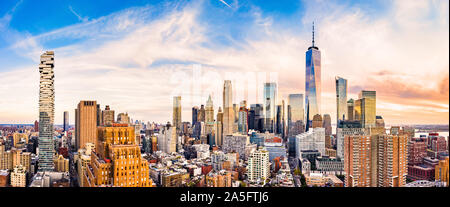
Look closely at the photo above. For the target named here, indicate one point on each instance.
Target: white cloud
(134, 63)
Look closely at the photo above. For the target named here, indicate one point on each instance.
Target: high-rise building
(201, 117)
(167, 139)
(375, 161)
(357, 161)
(341, 133)
(108, 116)
(243, 119)
(219, 127)
(209, 116)
(66, 121)
(295, 115)
(297, 111)
(313, 88)
(311, 140)
(317, 121)
(218, 133)
(357, 110)
(209, 111)
(350, 110)
(279, 126)
(18, 176)
(327, 124)
(46, 111)
(258, 168)
(270, 101)
(177, 113)
(256, 117)
(99, 116)
(219, 115)
(441, 172)
(194, 115)
(117, 161)
(228, 112)
(341, 99)
(392, 160)
(368, 108)
(86, 123)
(417, 151)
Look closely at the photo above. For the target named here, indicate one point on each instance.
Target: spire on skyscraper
(313, 35)
(313, 39)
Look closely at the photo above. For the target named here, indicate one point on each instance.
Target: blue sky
(33, 18)
(128, 54)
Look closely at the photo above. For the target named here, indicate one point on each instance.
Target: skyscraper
(66, 121)
(194, 115)
(228, 112)
(177, 113)
(368, 108)
(392, 160)
(46, 111)
(209, 115)
(327, 124)
(86, 123)
(209, 111)
(279, 120)
(341, 99)
(350, 109)
(258, 168)
(358, 161)
(317, 121)
(297, 111)
(99, 116)
(295, 114)
(313, 89)
(257, 110)
(219, 127)
(270, 101)
(243, 118)
(201, 116)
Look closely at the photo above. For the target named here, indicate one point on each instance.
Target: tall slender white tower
(46, 111)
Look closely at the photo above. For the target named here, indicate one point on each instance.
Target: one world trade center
(313, 81)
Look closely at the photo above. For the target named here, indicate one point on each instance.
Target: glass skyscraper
(297, 113)
(177, 112)
(368, 108)
(313, 89)
(341, 99)
(46, 111)
(270, 100)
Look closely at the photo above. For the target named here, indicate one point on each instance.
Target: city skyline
(141, 79)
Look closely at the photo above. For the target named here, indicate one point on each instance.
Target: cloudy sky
(136, 55)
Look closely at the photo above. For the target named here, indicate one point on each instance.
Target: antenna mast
(313, 35)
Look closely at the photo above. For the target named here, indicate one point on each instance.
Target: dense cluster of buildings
(270, 144)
